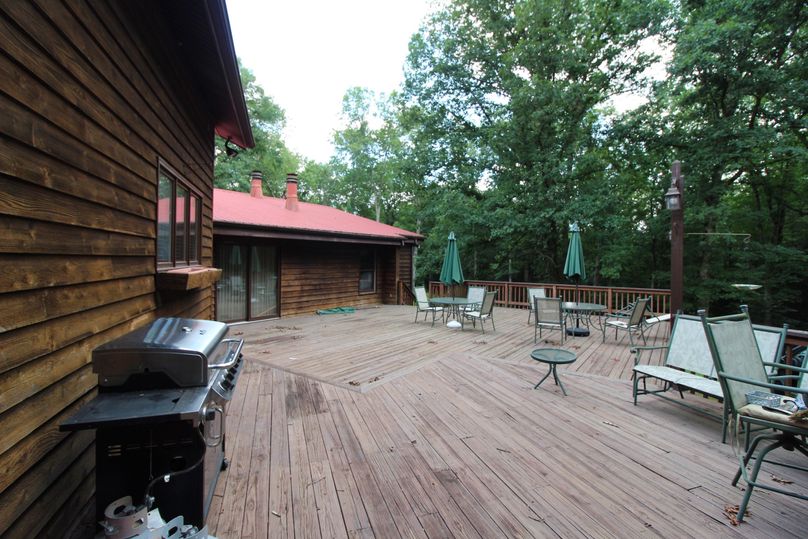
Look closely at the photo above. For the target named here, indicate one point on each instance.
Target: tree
(367, 157)
(270, 155)
(738, 122)
(509, 96)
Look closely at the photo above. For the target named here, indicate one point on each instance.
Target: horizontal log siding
(86, 112)
(318, 275)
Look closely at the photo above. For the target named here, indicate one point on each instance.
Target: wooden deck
(371, 425)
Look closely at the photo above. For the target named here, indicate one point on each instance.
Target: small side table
(553, 357)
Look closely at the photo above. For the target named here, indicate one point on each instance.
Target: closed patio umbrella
(451, 273)
(574, 266)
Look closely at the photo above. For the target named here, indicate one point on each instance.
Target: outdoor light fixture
(673, 198)
(229, 150)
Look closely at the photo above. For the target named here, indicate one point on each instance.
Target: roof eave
(236, 125)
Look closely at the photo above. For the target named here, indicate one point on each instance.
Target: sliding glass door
(243, 294)
(263, 282)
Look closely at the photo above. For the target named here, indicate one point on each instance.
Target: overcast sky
(306, 53)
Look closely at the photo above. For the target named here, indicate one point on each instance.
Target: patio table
(553, 357)
(583, 312)
(451, 304)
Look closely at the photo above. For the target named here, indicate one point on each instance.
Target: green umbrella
(451, 273)
(574, 266)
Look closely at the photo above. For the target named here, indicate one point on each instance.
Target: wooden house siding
(87, 110)
(318, 275)
(321, 275)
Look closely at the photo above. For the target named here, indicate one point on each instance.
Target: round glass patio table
(582, 312)
(451, 304)
(553, 357)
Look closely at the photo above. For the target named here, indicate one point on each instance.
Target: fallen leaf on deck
(375, 379)
(353, 383)
(432, 342)
(731, 512)
(610, 424)
(478, 342)
(276, 514)
(238, 333)
(781, 480)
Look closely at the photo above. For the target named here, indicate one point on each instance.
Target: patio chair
(422, 305)
(475, 297)
(486, 312)
(549, 315)
(635, 323)
(531, 304)
(741, 371)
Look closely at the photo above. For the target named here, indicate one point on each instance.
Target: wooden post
(677, 242)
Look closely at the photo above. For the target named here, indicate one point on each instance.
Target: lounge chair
(549, 315)
(741, 372)
(422, 305)
(533, 293)
(486, 312)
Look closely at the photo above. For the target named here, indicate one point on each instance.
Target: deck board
(442, 435)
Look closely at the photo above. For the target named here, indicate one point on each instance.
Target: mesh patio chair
(549, 315)
(531, 294)
(422, 305)
(635, 323)
(475, 297)
(486, 312)
(741, 372)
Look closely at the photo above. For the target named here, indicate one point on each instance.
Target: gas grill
(160, 415)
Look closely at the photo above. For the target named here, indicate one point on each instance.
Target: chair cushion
(757, 411)
(675, 376)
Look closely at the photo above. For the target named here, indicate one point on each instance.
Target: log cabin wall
(85, 113)
(322, 275)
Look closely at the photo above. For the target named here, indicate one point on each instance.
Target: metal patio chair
(422, 305)
(549, 315)
(475, 297)
(531, 294)
(635, 323)
(486, 312)
(741, 372)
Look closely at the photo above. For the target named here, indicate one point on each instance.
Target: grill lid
(179, 348)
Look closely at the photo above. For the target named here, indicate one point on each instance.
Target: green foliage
(270, 155)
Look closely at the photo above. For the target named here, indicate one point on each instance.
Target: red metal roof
(237, 208)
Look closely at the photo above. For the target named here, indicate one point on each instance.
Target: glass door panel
(231, 290)
(263, 282)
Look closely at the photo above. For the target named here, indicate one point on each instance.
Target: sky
(306, 53)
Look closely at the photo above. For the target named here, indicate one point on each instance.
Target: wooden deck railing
(514, 295)
(405, 294)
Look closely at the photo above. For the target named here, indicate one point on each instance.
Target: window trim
(194, 198)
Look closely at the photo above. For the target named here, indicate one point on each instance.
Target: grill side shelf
(112, 410)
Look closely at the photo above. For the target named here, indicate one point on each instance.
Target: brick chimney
(256, 182)
(291, 192)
